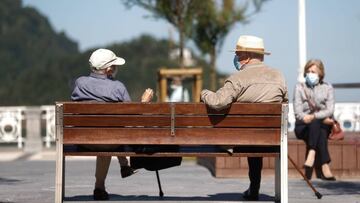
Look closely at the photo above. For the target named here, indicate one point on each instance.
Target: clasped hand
(310, 117)
(147, 95)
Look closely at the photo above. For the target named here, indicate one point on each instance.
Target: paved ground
(30, 179)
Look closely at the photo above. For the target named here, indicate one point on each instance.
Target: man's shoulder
(81, 79)
(118, 83)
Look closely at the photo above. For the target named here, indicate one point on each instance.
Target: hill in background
(39, 65)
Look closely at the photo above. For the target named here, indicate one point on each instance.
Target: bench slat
(180, 121)
(236, 108)
(229, 121)
(172, 154)
(115, 108)
(183, 136)
(116, 120)
(164, 108)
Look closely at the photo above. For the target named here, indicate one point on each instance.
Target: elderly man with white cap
(253, 82)
(101, 86)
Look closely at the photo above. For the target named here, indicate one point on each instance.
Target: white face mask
(236, 62)
(312, 79)
(174, 86)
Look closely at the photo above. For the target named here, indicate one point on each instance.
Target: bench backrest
(170, 123)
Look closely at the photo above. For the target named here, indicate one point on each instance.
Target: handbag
(336, 132)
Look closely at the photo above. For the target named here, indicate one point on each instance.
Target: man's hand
(147, 95)
(308, 118)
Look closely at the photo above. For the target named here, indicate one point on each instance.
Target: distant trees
(206, 22)
(30, 54)
(213, 21)
(39, 66)
(179, 13)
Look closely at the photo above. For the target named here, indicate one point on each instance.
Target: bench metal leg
(60, 178)
(281, 165)
(161, 194)
(60, 159)
(281, 180)
(277, 179)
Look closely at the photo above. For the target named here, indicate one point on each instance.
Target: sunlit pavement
(31, 178)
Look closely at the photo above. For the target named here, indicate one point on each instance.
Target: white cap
(103, 58)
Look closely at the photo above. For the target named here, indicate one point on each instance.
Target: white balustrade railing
(48, 114)
(11, 124)
(347, 114)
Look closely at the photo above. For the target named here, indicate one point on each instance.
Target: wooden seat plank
(165, 120)
(183, 136)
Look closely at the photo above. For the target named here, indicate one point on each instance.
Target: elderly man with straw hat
(253, 82)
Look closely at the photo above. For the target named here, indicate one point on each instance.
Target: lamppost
(302, 40)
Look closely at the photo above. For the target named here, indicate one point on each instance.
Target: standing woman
(314, 108)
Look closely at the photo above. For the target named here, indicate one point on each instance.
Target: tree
(213, 22)
(179, 13)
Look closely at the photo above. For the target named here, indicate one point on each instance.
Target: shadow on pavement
(8, 181)
(340, 187)
(212, 197)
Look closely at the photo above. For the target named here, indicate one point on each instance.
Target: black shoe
(127, 171)
(327, 178)
(308, 171)
(247, 195)
(100, 194)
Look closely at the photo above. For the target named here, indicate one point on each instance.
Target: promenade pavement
(30, 178)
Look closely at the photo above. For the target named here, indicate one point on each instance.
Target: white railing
(11, 124)
(48, 114)
(348, 115)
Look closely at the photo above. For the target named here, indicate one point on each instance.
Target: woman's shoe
(327, 178)
(308, 171)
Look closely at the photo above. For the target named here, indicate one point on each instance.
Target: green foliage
(206, 22)
(212, 23)
(29, 51)
(179, 13)
(39, 66)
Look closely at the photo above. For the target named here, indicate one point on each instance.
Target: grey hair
(94, 70)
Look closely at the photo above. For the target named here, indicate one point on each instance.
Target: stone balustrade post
(33, 141)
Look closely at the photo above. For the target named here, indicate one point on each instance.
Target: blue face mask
(312, 79)
(237, 64)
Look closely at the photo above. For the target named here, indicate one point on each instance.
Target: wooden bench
(259, 129)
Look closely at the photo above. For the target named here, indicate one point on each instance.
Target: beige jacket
(255, 83)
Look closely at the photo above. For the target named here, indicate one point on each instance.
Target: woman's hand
(328, 121)
(147, 95)
(308, 118)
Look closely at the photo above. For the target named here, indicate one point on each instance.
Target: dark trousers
(315, 135)
(255, 166)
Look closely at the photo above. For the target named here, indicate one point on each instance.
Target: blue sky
(333, 31)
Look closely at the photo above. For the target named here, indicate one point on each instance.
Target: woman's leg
(324, 156)
(322, 147)
(310, 158)
(314, 134)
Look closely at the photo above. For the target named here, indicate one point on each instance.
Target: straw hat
(250, 43)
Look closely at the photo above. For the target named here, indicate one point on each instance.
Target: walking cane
(318, 195)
